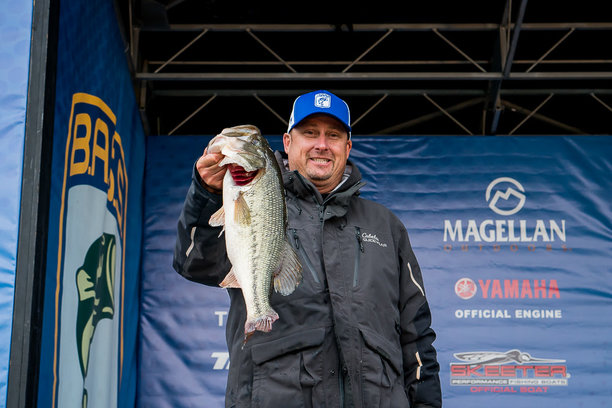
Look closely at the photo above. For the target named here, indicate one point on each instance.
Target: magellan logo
(506, 195)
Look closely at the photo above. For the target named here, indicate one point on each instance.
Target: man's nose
(321, 142)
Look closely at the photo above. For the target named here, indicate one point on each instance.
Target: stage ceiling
(405, 67)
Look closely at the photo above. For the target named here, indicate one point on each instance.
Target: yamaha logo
(465, 288)
(512, 200)
(322, 100)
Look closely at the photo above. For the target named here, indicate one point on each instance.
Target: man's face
(318, 148)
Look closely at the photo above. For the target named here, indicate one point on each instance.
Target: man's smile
(320, 160)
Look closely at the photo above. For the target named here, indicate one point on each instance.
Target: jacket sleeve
(199, 253)
(421, 368)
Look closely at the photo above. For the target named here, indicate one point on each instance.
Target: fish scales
(262, 239)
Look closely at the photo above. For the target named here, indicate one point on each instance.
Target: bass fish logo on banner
(89, 303)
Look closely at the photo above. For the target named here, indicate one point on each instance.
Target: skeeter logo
(512, 371)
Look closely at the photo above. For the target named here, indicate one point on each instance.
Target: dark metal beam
(546, 119)
(428, 117)
(370, 76)
(382, 27)
(22, 389)
(507, 66)
(374, 92)
(374, 63)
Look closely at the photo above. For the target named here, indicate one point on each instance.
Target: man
(356, 331)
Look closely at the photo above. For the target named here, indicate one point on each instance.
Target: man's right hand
(211, 175)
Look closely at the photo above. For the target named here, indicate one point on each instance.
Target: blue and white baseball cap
(320, 102)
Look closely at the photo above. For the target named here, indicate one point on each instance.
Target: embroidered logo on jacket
(372, 238)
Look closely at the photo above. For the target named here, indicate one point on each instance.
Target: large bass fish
(254, 217)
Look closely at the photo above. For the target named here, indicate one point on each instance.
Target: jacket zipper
(341, 386)
(303, 255)
(358, 251)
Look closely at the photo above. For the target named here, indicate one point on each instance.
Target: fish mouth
(240, 176)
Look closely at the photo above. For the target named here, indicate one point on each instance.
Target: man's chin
(315, 176)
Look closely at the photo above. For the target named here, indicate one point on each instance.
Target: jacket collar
(339, 198)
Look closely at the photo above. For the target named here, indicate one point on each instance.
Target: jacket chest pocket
(374, 257)
(304, 242)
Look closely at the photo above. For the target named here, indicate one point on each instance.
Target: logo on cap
(322, 100)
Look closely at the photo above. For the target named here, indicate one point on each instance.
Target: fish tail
(262, 323)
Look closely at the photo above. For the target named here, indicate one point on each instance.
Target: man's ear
(287, 142)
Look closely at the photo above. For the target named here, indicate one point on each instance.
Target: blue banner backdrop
(15, 30)
(512, 234)
(95, 218)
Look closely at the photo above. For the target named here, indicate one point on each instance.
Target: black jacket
(356, 329)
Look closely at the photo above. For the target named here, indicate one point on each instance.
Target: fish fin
(218, 218)
(230, 281)
(262, 323)
(242, 214)
(289, 273)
